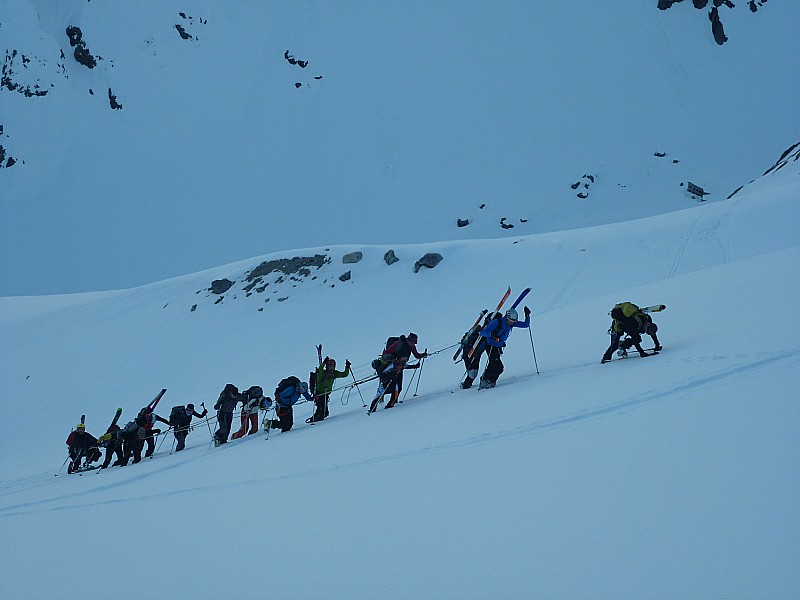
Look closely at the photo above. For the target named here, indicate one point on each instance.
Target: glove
(347, 363)
(527, 311)
(425, 355)
(216, 406)
(155, 431)
(205, 412)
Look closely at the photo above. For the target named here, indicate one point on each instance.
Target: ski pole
(355, 383)
(158, 447)
(421, 366)
(62, 466)
(530, 333)
(410, 383)
(203, 404)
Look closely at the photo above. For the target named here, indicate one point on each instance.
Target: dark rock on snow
(390, 257)
(220, 286)
(430, 260)
(352, 257)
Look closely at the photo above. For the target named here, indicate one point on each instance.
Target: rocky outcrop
(352, 258)
(717, 28)
(189, 25)
(112, 99)
(300, 265)
(390, 257)
(220, 286)
(430, 260)
(81, 53)
(12, 62)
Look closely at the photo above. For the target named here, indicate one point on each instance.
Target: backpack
(255, 392)
(131, 427)
(628, 309)
(285, 384)
(389, 341)
(177, 416)
(312, 381)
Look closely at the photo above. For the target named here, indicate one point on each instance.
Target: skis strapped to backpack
(497, 313)
(154, 401)
(103, 440)
(477, 321)
(467, 334)
(654, 308)
(521, 297)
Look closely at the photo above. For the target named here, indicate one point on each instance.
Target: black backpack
(177, 416)
(312, 382)
(285, 384)
(254, 392)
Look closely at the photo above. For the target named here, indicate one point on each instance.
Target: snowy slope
(423, 114)
(673, 476)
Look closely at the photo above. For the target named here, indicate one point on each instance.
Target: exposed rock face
(112, 99)
(289, 266)
(462, 222)
(82, 54)
(345, 276)
(430, 260)
(182, 32)
(792, 154)
(390, 257)
(717, 30)
(220, 286)
(9, 75)
(352, 257)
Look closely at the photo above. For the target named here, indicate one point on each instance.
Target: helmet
(304, 387)
(189, 407)
(412, 337)
(511, 314)
(80, 427)
(330, 362)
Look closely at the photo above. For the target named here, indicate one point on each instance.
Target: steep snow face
(213, 134)
(671, 476)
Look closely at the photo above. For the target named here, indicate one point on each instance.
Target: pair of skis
(654, 308)
(496, 312)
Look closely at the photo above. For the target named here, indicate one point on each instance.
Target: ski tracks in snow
(689, 235)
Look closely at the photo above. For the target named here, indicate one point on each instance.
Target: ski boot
(486, 384)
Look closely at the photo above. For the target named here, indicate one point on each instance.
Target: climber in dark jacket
(228, 399)
(180, 423)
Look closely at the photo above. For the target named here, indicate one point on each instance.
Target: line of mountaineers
(489, 335)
